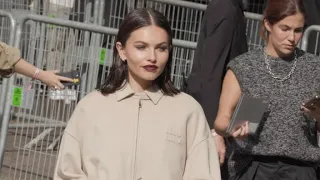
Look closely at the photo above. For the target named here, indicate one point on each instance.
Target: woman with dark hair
(285, 146)
(138, 125)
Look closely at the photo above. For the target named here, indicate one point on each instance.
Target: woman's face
(285, 35)
(146, 52)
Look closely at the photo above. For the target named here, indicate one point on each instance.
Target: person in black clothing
(222, 38)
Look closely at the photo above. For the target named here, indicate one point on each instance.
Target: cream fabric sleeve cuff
(9, 56)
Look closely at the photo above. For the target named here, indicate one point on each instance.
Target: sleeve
(217, 47)
(69, 164)
(234, 65)
(202, 159)
(9, 56)
(215, 56)
(239, 66)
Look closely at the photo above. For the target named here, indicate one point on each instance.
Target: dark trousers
(277, 168)
(224, 171)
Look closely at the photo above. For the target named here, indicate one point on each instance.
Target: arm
(10, 59)
(202, 162)
(216, 51)
(69, 160)
(210, 63)
(47, 77)
(69, 164)
(202, 158)
(230, 95)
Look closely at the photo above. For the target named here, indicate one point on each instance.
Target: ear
(267, 25)
(121, 51)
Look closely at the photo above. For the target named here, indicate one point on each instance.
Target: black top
(222, 37)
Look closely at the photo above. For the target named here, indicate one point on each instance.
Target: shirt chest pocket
(173, 136)
(174, 142)
(174, 154)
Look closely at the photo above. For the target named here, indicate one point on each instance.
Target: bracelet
(35, 76)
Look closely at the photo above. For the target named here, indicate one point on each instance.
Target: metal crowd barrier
(306, 38)
(4, 85)
(33, 124)
(6, 18)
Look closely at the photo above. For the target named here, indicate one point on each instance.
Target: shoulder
(184, 101)
(95, 98)
(309, 63)
(246, 58)
(250, 54)
(221, 9)
(191, 111)
(309, 57)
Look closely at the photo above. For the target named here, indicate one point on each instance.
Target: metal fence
(6, 35)
(39, 114)
(74, 10)
(310, 41)
(185, 18)
(33, 120)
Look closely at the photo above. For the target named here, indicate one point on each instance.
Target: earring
(123, 59)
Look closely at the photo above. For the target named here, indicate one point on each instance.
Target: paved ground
(23, 164)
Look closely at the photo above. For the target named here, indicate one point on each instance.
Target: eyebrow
(286, 26)
(147, 43)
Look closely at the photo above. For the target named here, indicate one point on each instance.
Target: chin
(286, 51)
(149, 77)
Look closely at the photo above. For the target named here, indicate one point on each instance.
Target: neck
(271, 51)
(139, 85)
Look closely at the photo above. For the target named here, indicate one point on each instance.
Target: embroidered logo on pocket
(173, 136)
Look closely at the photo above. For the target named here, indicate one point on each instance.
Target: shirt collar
(154, 93)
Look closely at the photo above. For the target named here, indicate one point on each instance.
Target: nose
(291, 36)
(152, 56)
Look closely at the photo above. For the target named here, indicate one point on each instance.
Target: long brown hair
(134, 20)
(276, 10)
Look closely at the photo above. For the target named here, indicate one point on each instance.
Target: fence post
(11, 39)
(305, 38)
(4, 99)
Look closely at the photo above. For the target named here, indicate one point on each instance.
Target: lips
(150, 68)
(289, 46)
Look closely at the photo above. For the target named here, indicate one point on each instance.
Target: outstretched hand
(52, 80)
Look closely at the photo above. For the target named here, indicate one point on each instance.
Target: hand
(221, 147)
(314, 113)
(52, 80)
(241, 132)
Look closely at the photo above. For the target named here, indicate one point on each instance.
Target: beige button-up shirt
(8, 56)
(145, 136)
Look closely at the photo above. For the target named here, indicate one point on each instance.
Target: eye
(298, 30)
(284, 29)
(141, 47)
(163, 48)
